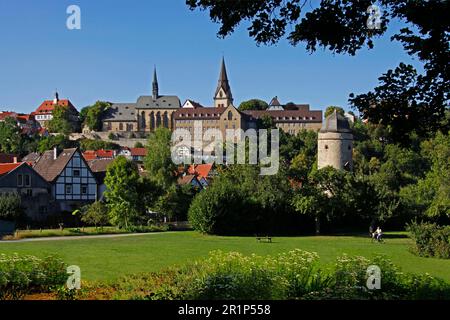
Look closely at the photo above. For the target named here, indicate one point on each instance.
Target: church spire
(223, 96)
(155, 85)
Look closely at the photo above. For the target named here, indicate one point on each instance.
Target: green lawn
(108, 259)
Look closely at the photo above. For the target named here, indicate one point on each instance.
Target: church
(151, 112)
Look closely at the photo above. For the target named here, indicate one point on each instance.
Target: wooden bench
(267, 239)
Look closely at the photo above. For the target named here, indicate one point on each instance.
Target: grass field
(108, 259)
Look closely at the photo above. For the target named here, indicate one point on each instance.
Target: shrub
(20, 275)
(10, 207)
(430, 240)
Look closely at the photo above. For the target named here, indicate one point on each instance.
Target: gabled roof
(199, 113)
(48, 106)
(162, 102)
(50, 168)
(138, 152)
(275, 102)
(202, 170)
(8, 167)
(187, 179)
(121, 112)
(195, 104)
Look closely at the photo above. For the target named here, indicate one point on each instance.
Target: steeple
(56, 100)
(223, 96)
(155, 85)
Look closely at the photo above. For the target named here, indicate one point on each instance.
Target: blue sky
(112, 57)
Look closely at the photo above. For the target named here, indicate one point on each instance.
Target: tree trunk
(317, 225)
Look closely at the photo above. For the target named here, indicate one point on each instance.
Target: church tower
(223, 97)
(335, 145)
(155, 91)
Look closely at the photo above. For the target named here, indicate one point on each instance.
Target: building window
(29, 192)
(230, 115)
(84, 189)
(326, 147)
(76, 173)
(19, 180)
(121, 126)
(68, 189)
(27, 180)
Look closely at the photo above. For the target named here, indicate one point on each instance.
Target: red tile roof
(202, 170)
(47, 106)
(6, 114)
(138, 152)
(98, 154)
(8, 167)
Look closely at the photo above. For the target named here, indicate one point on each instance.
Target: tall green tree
(60, 123)
(91, 116)
(158, 161)
(10, 137)
(124, 201)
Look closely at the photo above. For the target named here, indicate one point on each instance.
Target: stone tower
(335, 145)
(223, 97)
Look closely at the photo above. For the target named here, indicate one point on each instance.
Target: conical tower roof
(336, 122)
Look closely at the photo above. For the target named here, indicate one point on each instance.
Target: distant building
(26, 122)
(44, 113)
(335, 145)
(147, 114)
(35, 192)
(73, 182)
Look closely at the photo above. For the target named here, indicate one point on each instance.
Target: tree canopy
(405, 101)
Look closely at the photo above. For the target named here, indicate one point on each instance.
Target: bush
(292, 275)
(430, 240)
(21, 275)
(10, 207)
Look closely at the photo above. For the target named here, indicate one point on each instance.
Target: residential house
(73, 182)
(99, 154)
(35, 192)
(190, 179)
(44, 113)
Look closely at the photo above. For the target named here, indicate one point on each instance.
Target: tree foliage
(10, 207)
(61, 122)
(253, 104)
(405, 101)
(158, 161)
(91, 116)
(10, 137)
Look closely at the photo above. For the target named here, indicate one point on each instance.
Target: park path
(101, 236)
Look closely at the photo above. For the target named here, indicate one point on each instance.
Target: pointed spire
(155, 85)
(223, 72)
(223, 85)
(56, 99)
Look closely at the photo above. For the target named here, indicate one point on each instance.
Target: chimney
(14, 159)
(55, 153)
(56, 100)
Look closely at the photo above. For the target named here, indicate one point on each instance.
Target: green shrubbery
(292, 275)
(430, 240)
(20, 275)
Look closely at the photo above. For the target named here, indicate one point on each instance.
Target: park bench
(266, 239)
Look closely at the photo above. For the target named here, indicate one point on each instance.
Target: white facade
(76, 182)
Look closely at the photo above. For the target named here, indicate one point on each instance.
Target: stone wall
(335, 150)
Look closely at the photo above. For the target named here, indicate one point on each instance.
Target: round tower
(335, 145)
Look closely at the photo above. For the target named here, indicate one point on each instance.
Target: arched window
(230, 115)
(143, 120)
(121, 126)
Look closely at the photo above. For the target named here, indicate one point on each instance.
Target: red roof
(47, 106)
(6, 114)
(202, 170)
(138, 152)
(8, 167)
(98, 154)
